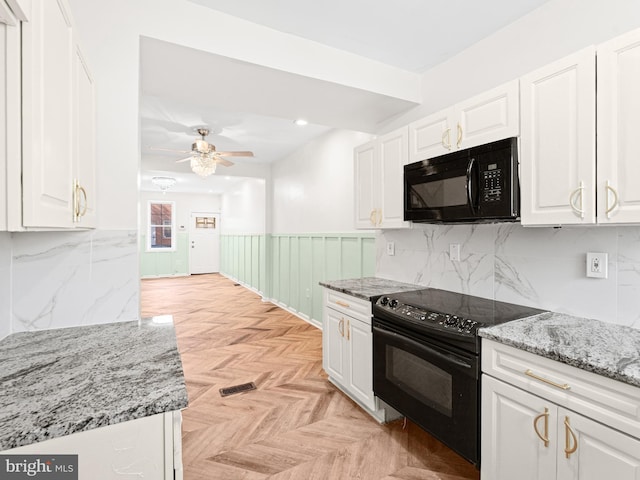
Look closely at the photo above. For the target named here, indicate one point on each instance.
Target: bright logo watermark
(50, 467)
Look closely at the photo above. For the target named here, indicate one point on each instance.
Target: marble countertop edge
(602, 348)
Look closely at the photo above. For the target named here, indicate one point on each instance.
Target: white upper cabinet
(47, 114)
(558, 142)
(84, 155)
(490, 116)
(393, 156)
(9, 99)
(51, 182)
(618, 130)
(430, 136)
(365, 159)
(379, 181)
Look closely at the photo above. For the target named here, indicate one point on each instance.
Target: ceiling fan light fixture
(203, 165)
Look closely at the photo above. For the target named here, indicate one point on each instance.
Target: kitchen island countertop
(607, 349)
(57, 382)
(369, 287)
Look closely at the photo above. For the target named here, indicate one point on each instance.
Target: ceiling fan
(203, 155)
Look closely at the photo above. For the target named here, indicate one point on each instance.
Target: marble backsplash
(538, 267)
(5, 284)
(64, 279)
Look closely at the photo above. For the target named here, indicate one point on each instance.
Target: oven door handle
(447, 357)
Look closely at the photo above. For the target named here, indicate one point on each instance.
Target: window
(161, 226)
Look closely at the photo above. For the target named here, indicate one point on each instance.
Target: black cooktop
(449, 317)
(482, 310)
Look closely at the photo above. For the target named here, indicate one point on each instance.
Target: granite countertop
(607, 349)
(369, 287)
(57, 382)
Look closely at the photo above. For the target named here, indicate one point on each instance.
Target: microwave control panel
(492, 183)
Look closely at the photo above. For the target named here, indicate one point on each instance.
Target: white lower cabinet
(529, 438)
(347, 351)
(148, 447)
(564, 431)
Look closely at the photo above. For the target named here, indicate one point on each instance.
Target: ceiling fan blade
(235, 154)
(224, 162)
(183, 160)
(160, 149)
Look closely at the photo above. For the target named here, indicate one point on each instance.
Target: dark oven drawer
(430, 384)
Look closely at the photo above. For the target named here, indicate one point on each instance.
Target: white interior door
(204, 243)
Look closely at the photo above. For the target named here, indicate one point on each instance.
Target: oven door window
(422, 379)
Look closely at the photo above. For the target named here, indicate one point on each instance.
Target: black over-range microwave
(478, 184)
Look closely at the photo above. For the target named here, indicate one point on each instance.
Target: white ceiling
(410, 34)
(251, 107)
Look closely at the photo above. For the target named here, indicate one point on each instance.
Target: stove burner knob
(469, 325)
(423, 317)
(384, 301)
(393, 303)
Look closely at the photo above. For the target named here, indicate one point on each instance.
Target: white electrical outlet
(454, 252)
(597, 265)
(391, 248)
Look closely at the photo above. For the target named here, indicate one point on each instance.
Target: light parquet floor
(295, 425)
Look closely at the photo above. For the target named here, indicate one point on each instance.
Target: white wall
(554, 30)
(313, 187)
(244, 208)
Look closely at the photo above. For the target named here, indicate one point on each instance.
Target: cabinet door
(360, 361)
(431, 136)
(588, 450)
(141, 448)
(618, 127)
(557, 160)
(8, 29)
(47, 116)
(511, 448)
(392, 150)
(84, 145)
(333, 355)
(490, 116)
(367, 177)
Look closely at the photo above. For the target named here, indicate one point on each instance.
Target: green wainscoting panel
(162, 264)
(242, 257)
(287, 268)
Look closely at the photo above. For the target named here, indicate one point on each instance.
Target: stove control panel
(444, 320)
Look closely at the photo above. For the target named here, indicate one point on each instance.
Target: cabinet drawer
(608, 401)
(355, 307)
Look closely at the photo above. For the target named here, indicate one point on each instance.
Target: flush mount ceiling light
(301, 122)
(163, 183)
